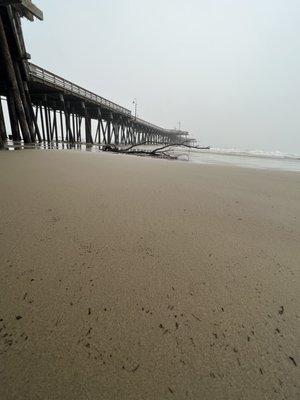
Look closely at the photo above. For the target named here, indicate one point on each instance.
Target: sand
(134, 278)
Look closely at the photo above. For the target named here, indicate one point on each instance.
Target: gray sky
(229, 70)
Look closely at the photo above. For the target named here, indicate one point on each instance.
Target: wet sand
(133, 278)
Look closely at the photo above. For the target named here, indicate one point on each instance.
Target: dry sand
(133, 278)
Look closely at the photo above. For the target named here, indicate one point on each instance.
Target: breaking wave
(255, 153)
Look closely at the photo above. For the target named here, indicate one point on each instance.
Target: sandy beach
(134, 278)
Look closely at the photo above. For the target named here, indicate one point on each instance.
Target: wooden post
(79, 128)
(97, 136)
(73, 123)
(48, 133)
(109, 126)
(14, 123)
(117, 131)
(42, 122)
(34, 116)
(99, 125)
(108, 129)
(61, 125)
(88, 125)
(88, 129)
(50, 122)
(67, 122)
(31, 113)
(129, 133)
(3, 135)
(69, 135)
(2, 127)
(12, 82)
(123, 139)
(103, 131)
(24, 101)
(54, 126)
(51, 125)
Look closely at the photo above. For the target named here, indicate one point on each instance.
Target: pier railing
(41, 74)
(49, 78)
(174, 132)
(143, 122)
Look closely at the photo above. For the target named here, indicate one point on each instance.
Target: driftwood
(160, 152)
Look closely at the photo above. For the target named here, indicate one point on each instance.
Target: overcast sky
(229, 70)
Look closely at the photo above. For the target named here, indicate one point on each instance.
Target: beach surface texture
(132, 278)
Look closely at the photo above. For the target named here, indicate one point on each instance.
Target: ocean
(257, 159)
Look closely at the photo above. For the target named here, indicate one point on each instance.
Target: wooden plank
(33, 9)
(26, 6)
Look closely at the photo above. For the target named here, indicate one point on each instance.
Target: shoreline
(204, 157)
(127, 277)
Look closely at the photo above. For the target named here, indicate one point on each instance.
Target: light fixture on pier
(135, 107)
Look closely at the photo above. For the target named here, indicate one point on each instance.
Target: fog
(227, 69)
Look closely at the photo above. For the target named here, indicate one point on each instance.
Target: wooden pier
(44, 107)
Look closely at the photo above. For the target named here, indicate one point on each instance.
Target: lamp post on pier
(135, 107)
